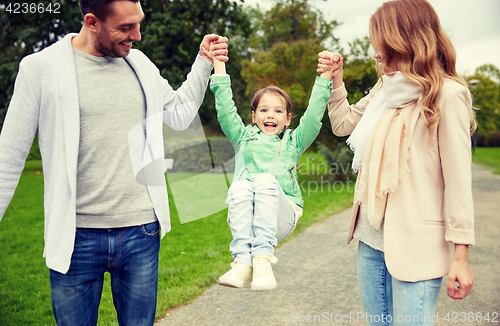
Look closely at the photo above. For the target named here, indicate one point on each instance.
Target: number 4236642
(455, 317)
(32, 8)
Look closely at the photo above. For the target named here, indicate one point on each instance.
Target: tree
(359, 70)
(490, 71)
(172, 32)
(288, 39)
(291, 66)
(290, 20)
(487, 99)
(22, 34)
(285, 47)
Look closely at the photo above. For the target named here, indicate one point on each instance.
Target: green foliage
(286, 43)
(23, 34)
(288, 39)
(490, 71)
(487, 99)
(290, 20)
(290, 66)
(172, 32)
(359, 70)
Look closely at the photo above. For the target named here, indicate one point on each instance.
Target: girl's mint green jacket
(258, 153)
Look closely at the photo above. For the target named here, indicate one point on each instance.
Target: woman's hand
(460, 273)
(330, 66)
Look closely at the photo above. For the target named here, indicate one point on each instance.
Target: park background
(276, 43)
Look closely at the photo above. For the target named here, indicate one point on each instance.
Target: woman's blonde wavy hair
(409, 32)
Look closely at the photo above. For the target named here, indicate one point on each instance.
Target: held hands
(460, 273)
(219, 65)
(214, 46)
(330, 66)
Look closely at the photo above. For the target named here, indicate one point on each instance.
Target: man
(98, 106)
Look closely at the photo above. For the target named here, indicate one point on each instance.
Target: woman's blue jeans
(130, 255)
(387, 301)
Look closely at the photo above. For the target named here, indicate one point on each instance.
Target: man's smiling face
(120, 28)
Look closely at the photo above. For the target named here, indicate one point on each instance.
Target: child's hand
(219, 49)
(330, 66)
(219, 65)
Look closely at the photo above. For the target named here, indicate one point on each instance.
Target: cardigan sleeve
(181, 106)
(18, 132)
(455, 153)
(345, 117)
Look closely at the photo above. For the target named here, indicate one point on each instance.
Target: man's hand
(219, 47)
(460, 272)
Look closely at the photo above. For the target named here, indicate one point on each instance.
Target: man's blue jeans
(130, 255)
(387, 301)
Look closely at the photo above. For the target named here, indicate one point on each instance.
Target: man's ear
(91, 22)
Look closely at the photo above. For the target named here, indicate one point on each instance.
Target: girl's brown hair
(273, 90)
(409, 32)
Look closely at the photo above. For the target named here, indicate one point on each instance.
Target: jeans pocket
(151, 229)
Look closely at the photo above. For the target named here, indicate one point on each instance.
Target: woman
(411, 141)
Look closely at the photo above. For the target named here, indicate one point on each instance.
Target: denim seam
(151, 235)
(120, 250)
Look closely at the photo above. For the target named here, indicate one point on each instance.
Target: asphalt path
(317, 282)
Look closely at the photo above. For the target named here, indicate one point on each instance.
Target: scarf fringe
(353, 149)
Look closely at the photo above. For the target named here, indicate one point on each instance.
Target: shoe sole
(233, 284)
(264, 288)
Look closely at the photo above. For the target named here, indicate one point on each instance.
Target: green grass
(192, 256)
(488, 157)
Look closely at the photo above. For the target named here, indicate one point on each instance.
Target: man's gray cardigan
(46, 99)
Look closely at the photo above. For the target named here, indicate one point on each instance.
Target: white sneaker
(263, 277)
(240, 275)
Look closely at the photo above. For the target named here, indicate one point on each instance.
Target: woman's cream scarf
(381, 143)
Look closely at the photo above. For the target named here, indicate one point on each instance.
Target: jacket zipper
(278, 160)
(293, 178)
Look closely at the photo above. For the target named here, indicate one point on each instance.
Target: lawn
(192, 256)
(488, 157)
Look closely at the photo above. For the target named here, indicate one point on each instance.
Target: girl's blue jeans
(387, 301)
(130, 255)
(259, 215)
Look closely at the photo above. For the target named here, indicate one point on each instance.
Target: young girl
(411, 139)
(264, 199)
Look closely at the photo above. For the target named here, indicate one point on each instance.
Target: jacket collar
(254, 130)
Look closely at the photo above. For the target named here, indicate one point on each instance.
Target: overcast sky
(473, 25)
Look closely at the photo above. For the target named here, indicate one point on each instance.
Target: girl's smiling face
(271, 115)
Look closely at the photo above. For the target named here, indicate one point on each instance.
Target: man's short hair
(100, 8)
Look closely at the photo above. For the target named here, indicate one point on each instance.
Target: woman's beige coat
(434, 207)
